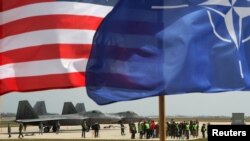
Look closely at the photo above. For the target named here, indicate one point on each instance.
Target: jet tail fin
(68, 108)
(80, 108)
(25, 111)
(40, 108)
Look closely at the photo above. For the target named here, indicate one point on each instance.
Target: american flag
(45, 44)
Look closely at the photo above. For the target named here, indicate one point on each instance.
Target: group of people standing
(175, 130)
(185, 129)
(146, 129)
(96, 127)
(22, 128)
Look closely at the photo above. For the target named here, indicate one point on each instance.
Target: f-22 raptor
(98, 116)
(27, 115)
(70, 116)
(93, 116)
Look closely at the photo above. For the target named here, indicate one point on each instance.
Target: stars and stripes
(45, 44)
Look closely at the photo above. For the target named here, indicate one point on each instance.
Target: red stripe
(9, 4)
(36, 83)
(50, 22)
(45, 52)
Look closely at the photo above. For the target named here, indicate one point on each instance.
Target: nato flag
(148, 48)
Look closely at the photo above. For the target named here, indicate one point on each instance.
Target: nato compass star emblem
(229, 18)
(237, 10)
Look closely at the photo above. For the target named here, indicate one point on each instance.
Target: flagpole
(162, 118)
(1, 112)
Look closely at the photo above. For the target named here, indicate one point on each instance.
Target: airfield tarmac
(74, 132)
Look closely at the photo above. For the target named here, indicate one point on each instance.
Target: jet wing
(38, 120)
(52, 118)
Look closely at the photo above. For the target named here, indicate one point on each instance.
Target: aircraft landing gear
(46, 129)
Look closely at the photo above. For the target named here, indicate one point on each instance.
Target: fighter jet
(98, 116)
(92, 117)
(27, 116)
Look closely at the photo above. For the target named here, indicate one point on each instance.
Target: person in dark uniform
(84, 128)
(157, 130)
(20, 130)
(122, 129)
(9, 130)
(57, 127)
(133, 130)
(40, 126)
(187, 129)
(203, 130)
(96, 129)
(207, 127)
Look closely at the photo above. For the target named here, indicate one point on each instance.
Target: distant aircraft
(79, 110)
(125, 117)
(70, 115)
(98, 116)
(27, 116)
(93, 117)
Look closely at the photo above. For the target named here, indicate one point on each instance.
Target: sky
(217, 104)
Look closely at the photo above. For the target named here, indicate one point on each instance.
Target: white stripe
(38, 68)
(50, 8)
(55, 36)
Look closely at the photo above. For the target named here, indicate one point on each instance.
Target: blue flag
(148, 48)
